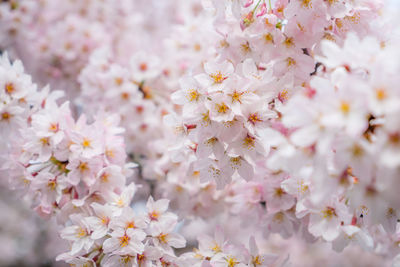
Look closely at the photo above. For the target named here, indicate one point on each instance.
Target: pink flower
(124, 242)
(216, 75)
(83, 169)
(78, 233)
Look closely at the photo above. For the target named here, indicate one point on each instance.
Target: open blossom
(257, 259)
(125, 242)
(164, 236)
(157, 211)
(216, 75)
(78, 233)
(100, 222)
(326, 219)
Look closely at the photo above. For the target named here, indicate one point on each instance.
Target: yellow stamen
(380, 94)
(211, 141)
(83, 166)
(329, 212)
(278, 217)
(104, 177)
(130, 224)
(53, 127)
(290, 61)
(288, 42)
(45, 141)
(357, 151)
(81, 232)
(197, 47)
(236, 96)
(231, 261)
(218, 77)
(118, 81)
(257, 260)
(9, 88)
(52, 184)
(269, 38)
(216, 248)
(283, 95)
(126, 260)
(163, 238)
(253, 118)
(86, 143)
(154, 215)
(105, 220)
(193, 95)
(390, 212)
(345, 107)
(306, 4)
(124, 241)
(221, 108)
(279, 192)
(5, 116)
(236, 162)
(110, 153)
(249, 142)
(206, 118)
(302, 188)
(245, 47)
(120, 202)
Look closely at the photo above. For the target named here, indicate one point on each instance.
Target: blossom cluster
(288, 123)
(52, 156)
(346, 141)
(268, 122)
(70, 171)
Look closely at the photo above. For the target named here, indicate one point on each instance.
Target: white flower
(125, 242)
(100, 223)
(78, 233)
(215, 76)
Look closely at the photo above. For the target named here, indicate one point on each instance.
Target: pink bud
(248, 3)
(247, 20)
(263, 10)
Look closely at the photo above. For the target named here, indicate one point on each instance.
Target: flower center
(193, 95)
(257, 261)
(249, 141)
(231, 261)
(253, 118)
(83, 166)
(288, 42)
(143, 66)
(380, 94)
(124, 241)
(345, 107)
(45, 141)
(163, 238)
(329, 212)
(236, 96)
(52, 184)
(218, 77)
(10, 88)
(290, 61)
(306, 4)
(154, 215)
(86, 143)
(222, 108)
(269, 38)
(81, 232)
(5, 116)
(53, 127)
(130, 224)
